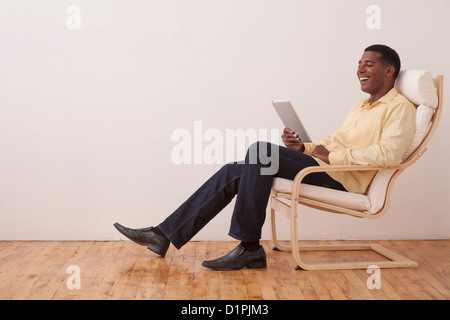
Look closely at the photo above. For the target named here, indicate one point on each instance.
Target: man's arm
(292, 141)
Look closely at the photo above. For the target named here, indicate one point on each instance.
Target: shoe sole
(154, 249)
(253, 265)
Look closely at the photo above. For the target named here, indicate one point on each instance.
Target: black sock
(250, 245)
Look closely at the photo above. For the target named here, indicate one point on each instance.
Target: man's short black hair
(389, 55)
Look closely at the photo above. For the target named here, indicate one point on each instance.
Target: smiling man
(376, 131)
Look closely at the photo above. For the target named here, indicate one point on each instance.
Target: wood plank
(24, 281)
(124, 270)
(332, 286)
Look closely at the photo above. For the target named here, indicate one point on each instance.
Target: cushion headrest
(418, 87)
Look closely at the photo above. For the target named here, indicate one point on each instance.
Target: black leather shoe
(237, 259)
(146, 237)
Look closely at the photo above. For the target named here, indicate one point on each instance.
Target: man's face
(371, 72)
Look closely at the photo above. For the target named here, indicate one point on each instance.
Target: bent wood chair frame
(287, 204)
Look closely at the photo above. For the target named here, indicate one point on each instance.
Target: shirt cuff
(335, 158)
(309, 147)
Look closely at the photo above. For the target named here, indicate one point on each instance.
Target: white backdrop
(92, 91)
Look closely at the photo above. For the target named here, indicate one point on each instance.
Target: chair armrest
(304, 172)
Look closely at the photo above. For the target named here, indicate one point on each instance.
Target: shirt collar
(388, 97)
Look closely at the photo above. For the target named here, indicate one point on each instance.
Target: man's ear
(389, 71)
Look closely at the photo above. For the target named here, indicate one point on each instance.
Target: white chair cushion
(418, 87)
(378, 189)
(423, 117)
(344, 199)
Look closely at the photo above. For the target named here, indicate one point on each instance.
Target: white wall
(86, 115)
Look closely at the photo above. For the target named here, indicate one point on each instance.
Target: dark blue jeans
(252, 185)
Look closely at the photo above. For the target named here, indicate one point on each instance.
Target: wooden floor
(124, 270)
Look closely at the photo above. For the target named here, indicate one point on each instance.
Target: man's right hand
(292, 141)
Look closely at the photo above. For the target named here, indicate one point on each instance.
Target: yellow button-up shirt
(375, 134)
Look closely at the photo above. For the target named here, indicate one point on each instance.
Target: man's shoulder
(400, 99)
(401, 105)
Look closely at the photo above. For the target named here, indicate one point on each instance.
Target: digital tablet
(290, 119)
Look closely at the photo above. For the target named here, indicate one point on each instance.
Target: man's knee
(264, 154)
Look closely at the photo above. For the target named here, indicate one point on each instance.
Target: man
(376, 131)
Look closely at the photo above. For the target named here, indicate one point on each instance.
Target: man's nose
(361, 69)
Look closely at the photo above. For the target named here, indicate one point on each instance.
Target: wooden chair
(287, 195)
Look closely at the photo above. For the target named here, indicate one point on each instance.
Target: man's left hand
(322, 153)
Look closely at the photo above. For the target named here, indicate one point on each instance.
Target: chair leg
(295, 246)
(395, 260)
(277, 245)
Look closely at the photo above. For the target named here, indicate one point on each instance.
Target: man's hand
(292, 141)
(322, 153)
